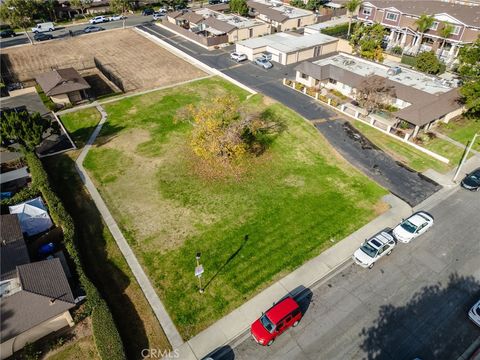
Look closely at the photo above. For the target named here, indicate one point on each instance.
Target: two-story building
(281, 17)
(400, 17)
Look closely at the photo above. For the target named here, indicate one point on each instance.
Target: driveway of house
(408, 185)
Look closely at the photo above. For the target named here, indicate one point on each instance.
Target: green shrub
(299, 86)
(45, 99)
(105, 333)
(337, 30)
(428, 63)
(409, 60)
(397, 50)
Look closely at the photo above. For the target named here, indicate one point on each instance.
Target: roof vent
(348, 62)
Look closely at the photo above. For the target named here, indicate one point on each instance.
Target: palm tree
(445, 33)
(352, 6)
(423, 23)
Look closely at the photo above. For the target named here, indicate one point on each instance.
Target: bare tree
(374, 92)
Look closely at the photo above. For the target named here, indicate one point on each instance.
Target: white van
(43, 27)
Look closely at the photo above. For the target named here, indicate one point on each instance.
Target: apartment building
(399, 17)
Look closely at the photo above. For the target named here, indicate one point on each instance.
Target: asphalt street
(62, 32)
(406, 184)
(412, 304)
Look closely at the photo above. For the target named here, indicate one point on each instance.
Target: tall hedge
(107, 338)
(339, 30)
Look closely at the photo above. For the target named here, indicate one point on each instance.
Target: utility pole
(465, 157)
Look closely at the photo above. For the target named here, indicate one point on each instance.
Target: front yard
(294, 201)
(462, 130)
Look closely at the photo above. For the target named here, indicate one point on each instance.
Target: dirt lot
(138, 62)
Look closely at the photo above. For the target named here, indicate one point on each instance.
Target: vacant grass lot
(462, 130)
(105, 264)
(80, 124)
(294, 201)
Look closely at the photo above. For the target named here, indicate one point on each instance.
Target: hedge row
(409, 60)
(337, 30)
(107, 338)
(45, 99)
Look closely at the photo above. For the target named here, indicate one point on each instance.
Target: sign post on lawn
(199, 272)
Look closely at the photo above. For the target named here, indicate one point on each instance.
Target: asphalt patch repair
(409, 185)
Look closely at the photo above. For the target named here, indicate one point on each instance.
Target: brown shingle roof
(45, 294)
(469, 15)
(424, 108)
(13, 250)
(192, 17)
(269, 12)
(219, 25)
(61, 81)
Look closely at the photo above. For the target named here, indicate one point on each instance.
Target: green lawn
(401, 151)
(462, 130)
(83, 348)
(80, 124)
(293, 202)
(104, 263)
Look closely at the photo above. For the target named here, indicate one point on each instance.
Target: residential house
(35, 298)
(399, 17)
(288, 48)
(63, 86)
(421, 100)
(281, 17)
(211, 28)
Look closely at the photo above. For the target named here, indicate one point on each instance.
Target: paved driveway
(413, 303)
(408, 185)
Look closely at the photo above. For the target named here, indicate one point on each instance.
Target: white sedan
(116, 17)
(372, 250)
(99, 19)
(238, 56)
(413, 226)
(474, 313)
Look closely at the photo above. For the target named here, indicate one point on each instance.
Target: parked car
(43, 27)
(275, 321)
(213, 2)
(7, 33)
(413, 226)
(116, 17)
(99, 19)
(42, 37)
(474, 313)
(158, 15)
(263, 63)
(238, 56)
(472, 181)
(373, 249)
(147, 12)
(92, 28)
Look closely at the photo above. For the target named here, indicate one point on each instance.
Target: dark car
(42, 37)
(472, 181)
(90, 29)
(7, 33)
(213, 2)
(147, 12)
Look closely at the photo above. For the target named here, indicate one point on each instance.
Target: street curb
(471, 351)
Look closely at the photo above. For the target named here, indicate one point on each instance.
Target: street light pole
(199, 272)
(465, 157)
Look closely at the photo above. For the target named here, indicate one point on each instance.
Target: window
(456, 30)
(332, 81)
(303, 76)
(391, 16)
(367, 11)
(434, 26)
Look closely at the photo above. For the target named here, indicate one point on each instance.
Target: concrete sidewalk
(158, 308)
(238, 321)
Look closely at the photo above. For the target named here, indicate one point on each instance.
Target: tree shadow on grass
(433, 324)
(109, 279)
(108, 132)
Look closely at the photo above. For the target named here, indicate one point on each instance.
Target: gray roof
(219, 25)
(192, 17)
(266, 10)
(13, 251)
(424, 108)
(61, 81)
(469, 15)
(45, 294)
(288, 42)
